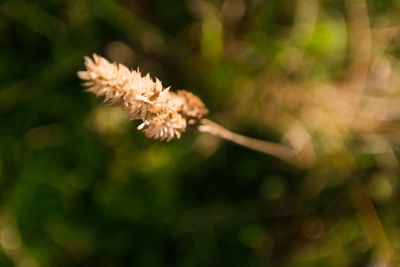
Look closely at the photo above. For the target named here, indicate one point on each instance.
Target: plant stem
(277, 150)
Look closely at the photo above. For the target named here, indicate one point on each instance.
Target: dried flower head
(165, 114)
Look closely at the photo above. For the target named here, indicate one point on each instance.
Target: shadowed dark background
(80, 186)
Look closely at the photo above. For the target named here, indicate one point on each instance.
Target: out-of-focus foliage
(80, 186)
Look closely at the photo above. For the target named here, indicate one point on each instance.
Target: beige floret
(164, 114)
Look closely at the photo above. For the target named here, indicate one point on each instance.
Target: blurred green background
(80, 186)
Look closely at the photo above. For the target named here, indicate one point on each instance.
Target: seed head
(165, 114)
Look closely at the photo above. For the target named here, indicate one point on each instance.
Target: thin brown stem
(277, 150)
(373, 227)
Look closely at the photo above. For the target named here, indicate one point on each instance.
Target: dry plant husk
(165, 114)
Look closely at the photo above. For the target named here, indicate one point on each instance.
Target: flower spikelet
(192, 106)
(164, 114)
